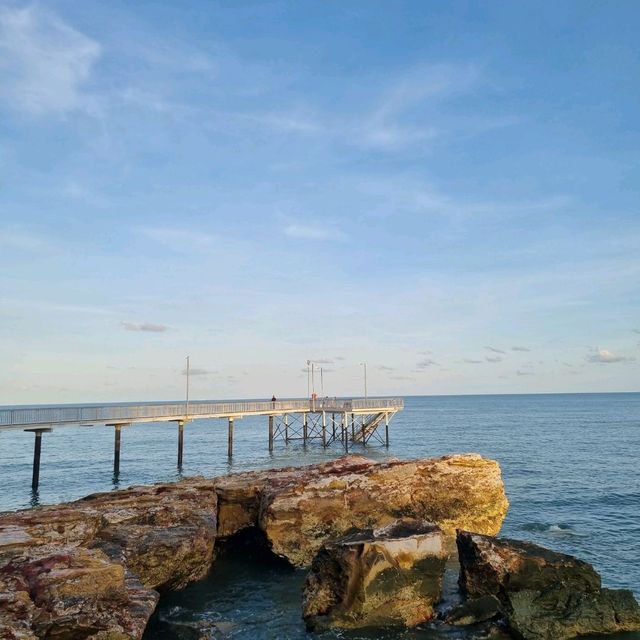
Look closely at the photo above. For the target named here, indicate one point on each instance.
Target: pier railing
(108, 414)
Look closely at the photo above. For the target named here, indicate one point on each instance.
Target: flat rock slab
(381, 577)
(543, 595)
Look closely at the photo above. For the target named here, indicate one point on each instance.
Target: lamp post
(186, 404)
(364, 364)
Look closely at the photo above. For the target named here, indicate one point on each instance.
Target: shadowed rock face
(543, 595)
(381, 577)
(144, 540)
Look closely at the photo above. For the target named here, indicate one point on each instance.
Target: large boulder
(380, 577)
(299, 509)
(543, 595)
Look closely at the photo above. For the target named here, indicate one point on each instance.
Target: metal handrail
(51, 416)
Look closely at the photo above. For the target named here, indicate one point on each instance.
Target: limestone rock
(464, 491)
(381, 577)
(544, 595)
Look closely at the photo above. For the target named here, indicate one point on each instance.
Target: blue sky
(446, 190)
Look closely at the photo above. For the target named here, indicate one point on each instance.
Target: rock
(72, 592)
(474, 611)
(381, 577)
(543, 595)
(152, 539)
(299, 515)
(90, 569)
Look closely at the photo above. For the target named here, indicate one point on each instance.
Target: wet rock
(543, 595)
(381, 577)
(474, 611)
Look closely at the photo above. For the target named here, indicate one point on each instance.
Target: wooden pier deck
(325, 420)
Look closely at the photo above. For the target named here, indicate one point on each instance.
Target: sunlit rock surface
(300, 508)
(543, 595)
(383, 577)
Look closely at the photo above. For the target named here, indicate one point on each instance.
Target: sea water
(570, 464)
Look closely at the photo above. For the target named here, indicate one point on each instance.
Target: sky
(445, 191)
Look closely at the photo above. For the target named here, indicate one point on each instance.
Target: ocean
(570, 464)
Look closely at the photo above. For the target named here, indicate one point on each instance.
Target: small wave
(558, 529)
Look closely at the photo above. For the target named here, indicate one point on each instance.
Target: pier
(325, 421)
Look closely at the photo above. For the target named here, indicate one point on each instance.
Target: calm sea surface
(570, 463)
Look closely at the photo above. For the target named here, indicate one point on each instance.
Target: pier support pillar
(345, 432)
(324, 429)
(270, 433)
(305, 428)
(333, 426)
(180, 442)
(286, 427)
(116, 450)
(230, 439)
(353, 428)
(364, 432)
(37, 450)
(386, 430)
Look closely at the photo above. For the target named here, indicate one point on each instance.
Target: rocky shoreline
(376, 536)
(95, 568)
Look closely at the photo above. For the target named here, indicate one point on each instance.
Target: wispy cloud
(148, 327)
(604, 356)
(384, 367)
(524, 372)
(493, 359)
(495, 350)
(44, 63)
(427, 362)
(399, 118)
(195, 371)
(177, 239)
(313, 232)
(16, 238)
(520, 349)
(471, 361)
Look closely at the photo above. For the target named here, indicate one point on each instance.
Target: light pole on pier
(186, 404)
(364, 364)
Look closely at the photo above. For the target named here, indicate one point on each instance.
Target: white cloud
(313, 232)
(148, 327)
(496, 359)
(471, 361)
(427, 362)
(520, 349)
(44, 63)
(604, 356)
(521, 372)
